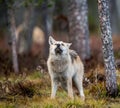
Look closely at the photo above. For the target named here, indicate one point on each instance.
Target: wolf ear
(51, 40)
(69, 44)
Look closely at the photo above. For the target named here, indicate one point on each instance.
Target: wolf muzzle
(58, 50)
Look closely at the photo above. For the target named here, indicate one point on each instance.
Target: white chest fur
(59, 65)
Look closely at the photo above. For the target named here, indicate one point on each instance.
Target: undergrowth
(33, 91)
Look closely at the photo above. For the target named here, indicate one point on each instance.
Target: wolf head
(58, 47)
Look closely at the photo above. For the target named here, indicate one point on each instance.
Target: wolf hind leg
(79, 83)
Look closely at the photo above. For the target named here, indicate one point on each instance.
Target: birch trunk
(107, 46)
(12, 29)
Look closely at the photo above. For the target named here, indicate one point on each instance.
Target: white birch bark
(107, 46)
(12, 29)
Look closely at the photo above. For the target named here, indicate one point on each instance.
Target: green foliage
(1, 1)
(36, 75)
(39, 2)
(26, 3)
(49, 106)
(50, 5)
(73, 105)
(117, 54)
(97, 90)
(10, 3)
(59, 6)
(93, 26)
(33, 91)
(119, 90)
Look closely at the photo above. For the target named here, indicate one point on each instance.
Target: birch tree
(12, 30)
(78, 27)
(107, 46)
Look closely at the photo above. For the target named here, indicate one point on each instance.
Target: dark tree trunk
(30, 27)
(47, 23)
(78, 27)
(106, 36)
(46, 32)
(12, 29)
(114, 16)
(25, 30)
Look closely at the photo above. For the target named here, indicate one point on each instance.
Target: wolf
(64, 67)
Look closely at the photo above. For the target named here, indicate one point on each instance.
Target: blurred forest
(35, 20)
(25, 26)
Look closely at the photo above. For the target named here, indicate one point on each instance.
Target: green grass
(39, 84)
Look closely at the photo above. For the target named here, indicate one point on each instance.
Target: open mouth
(58, 50)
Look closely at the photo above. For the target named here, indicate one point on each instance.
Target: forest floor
(33, 91)
(32, 88)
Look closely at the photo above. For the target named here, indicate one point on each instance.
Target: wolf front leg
(54, 88)
(69, 88)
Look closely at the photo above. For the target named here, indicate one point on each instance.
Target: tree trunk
(106, 36)
(24, 31)
(31, 25)
(114, 16)
(12, 29)
(78, 27)
(47, 23)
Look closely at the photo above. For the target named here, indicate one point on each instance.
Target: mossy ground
(33, 91)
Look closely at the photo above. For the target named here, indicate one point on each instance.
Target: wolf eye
(62, 44)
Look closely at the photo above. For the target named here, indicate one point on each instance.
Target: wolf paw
(71, 97)
(52, 97)
(83, 98)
